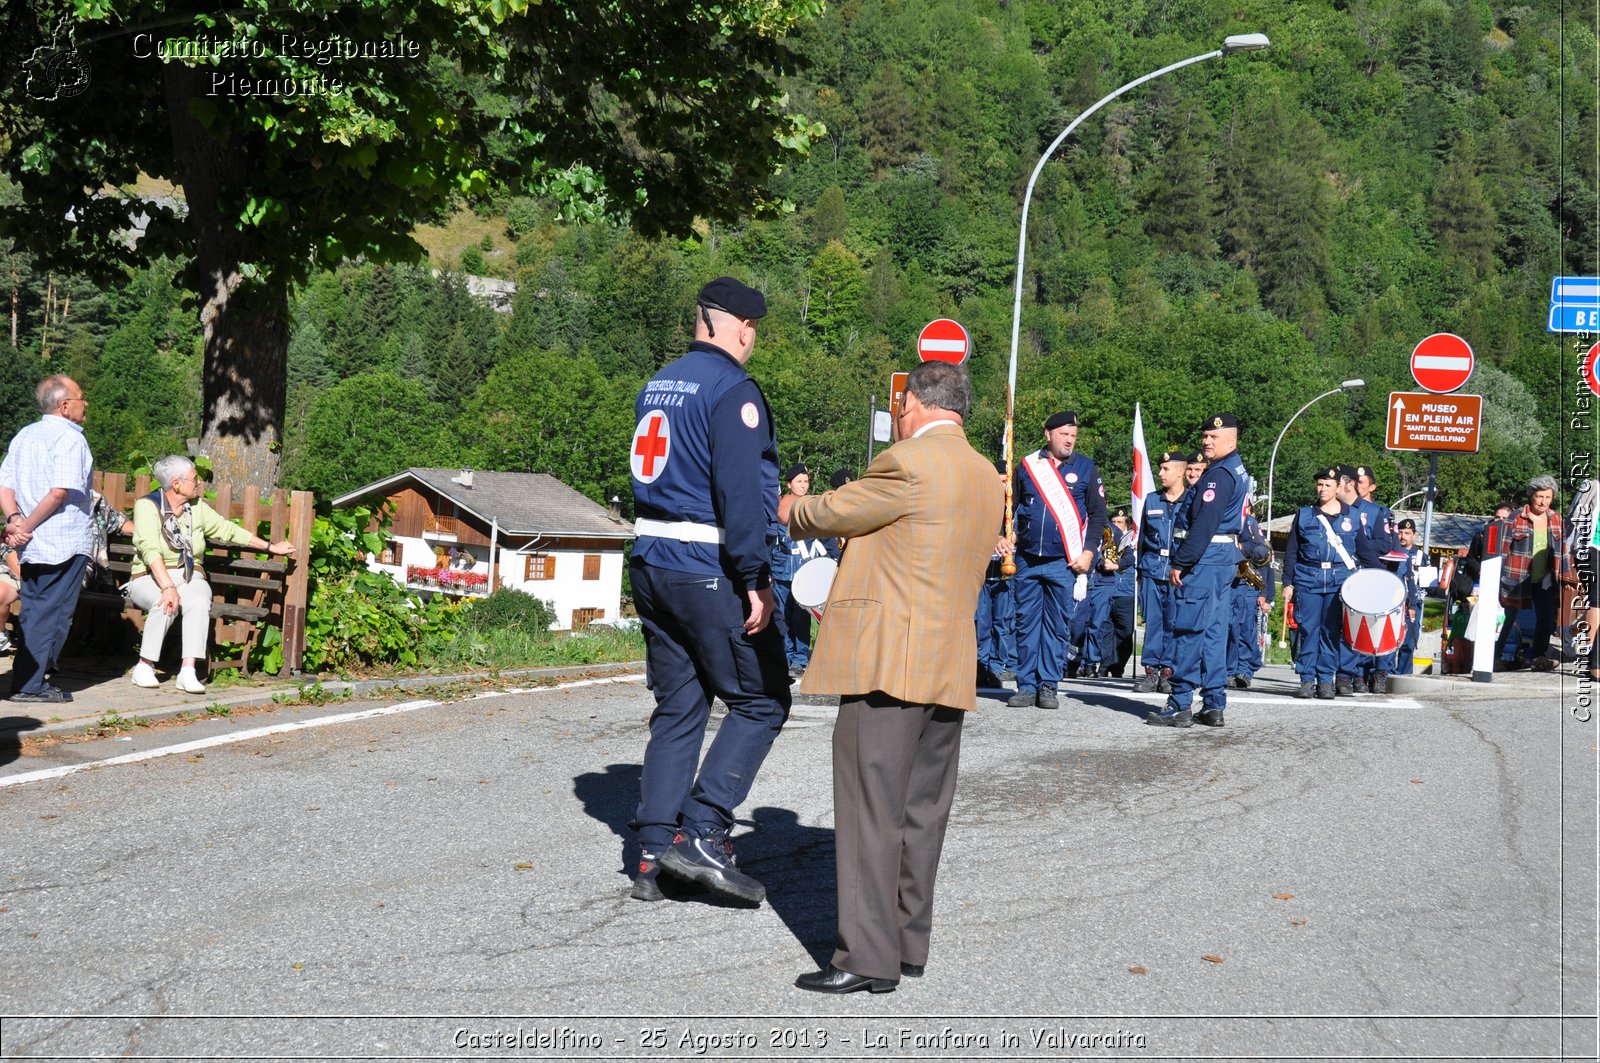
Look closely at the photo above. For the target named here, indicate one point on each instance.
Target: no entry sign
(1589, 376)
(1441, 363)
(944, 340)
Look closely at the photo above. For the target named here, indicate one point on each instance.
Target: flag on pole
(1143, 480)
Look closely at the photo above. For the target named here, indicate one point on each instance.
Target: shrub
(509, 609)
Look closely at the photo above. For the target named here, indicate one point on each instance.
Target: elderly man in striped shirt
(44, 497)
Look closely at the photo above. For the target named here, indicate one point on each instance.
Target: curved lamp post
(1348, 385)
(1243, 42)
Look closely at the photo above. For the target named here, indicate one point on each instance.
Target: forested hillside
(1242, 235)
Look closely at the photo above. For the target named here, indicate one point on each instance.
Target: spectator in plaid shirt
(44, 496)
(1534, 545)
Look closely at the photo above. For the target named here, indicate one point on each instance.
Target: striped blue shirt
(47, 454)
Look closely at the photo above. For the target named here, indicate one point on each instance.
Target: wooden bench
(252, 590)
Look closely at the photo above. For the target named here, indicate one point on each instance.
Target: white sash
(1058, 500)
(1336, 542)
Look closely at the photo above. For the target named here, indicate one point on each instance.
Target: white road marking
(261, 732)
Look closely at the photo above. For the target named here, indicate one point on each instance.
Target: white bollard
(1483, 628)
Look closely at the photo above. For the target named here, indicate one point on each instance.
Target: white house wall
(567, 592)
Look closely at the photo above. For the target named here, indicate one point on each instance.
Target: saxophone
(1110, 553)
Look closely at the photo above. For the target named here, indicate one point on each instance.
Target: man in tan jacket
(897, 645)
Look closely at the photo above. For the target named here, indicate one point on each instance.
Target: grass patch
(115, 723)
(217, 708)
(464, 229)
(507, 648)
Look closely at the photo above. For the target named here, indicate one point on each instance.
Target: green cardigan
(148, 542)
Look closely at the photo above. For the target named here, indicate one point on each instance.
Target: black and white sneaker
(710, 862)
(645, 884)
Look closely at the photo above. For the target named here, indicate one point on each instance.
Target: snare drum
(1374, 602)
(812, 582)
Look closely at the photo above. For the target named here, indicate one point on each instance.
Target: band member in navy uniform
(1202, 568)
(1247, 604)
(1155, 565)
(1406, 533)
(705, 482)
(1060, 515)
(787, 557)
(996, 621)
(1372, 673)
(1325, 540)
(1111, 600)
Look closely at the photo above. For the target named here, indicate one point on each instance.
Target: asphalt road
(1402, 878)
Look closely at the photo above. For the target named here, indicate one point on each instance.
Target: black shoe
(1343, 687)
(1307, 690)
(1209, 717)
(1358, 685)
(645, 884)
(1542, 664)
(1047, 700)
(709, 861)
(1380, 683)
(1008, 674)
(1325, 691)
(1165, 685)
(1180, 718)
(987, 680)
(832, 980)
(796, 671)
(48, 696)
(1240, 682)
(1022, 699)
(911, 970)
(1147, 683)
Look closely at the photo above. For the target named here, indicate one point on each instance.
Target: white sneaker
(5, 642)
(145, 676)
(189, 683)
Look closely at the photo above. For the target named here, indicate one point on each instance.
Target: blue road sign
(1574, 304)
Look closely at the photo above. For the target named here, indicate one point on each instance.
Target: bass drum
(1374, 604)
(812, 582)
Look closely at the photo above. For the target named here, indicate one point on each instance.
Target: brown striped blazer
(922, 529)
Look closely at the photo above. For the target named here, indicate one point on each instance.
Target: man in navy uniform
(997, 618)
(1155, 565)
(1406, 533)
(705, 482)
(1247, 604)
(1060, 515)
(1325, 540)
(1202, 568)
(1111, 599)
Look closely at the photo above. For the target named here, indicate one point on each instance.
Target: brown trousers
(894, 777)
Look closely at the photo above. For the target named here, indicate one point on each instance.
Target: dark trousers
(1044, 610)
(1198, 615)
(49, 598)
(1244, 643)
(1153, 595)
(1544, 624)
(894, 777)
(696, 649)
(1113, 632)
(796, 621)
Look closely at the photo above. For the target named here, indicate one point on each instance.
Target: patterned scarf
(177, 538)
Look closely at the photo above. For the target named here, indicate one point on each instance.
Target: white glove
(1080, 588)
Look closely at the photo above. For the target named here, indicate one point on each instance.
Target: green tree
(668, 118)
(834, 308)
(362, 429)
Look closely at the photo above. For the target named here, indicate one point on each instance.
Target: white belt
(1223, 538)
(684, 531)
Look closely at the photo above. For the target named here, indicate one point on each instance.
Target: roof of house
(522, 503)
(1449, 531)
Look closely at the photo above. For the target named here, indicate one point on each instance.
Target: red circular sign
(1441, 363)
(1589, 376)
(943, 340)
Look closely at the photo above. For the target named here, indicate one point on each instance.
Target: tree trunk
(245, 321)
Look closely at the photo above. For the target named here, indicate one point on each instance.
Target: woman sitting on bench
(171, 527)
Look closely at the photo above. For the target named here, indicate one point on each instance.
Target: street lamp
(1348, 385)
(1241, 42)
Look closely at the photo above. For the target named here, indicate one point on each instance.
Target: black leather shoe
(709, 861)
(1022, 699)
(1325, 691)
(1164, 685)
(1380, 683)
(48, 696)
(911, 970)
(1147, 683)
(1343, 687)
(1358, 686)
(1307, 690)
(1181, 718)
(1047, 700)
(1209, 717)
(832, 980)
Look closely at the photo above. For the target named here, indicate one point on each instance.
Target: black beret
(1347, 472)
(1330, 472)
(1198, 458)
(736, 298)
(797, 469)
(1407, 525)
(1219, 420)
(1064, 419)
(1363, 470)
(839, 479)
(1121, 511)
(1172, 455)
